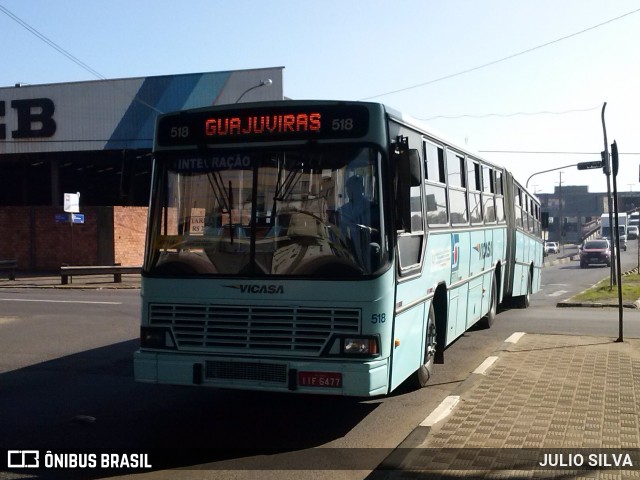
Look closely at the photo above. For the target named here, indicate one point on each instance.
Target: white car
(551, 247)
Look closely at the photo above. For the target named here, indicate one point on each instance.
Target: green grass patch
(601, 293)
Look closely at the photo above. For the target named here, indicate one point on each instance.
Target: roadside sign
(72, 202)
(69, 217)
(589, 165)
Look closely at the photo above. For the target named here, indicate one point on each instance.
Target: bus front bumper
(346, 377)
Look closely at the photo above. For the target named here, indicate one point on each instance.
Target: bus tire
(489, 318)
(523, 301)
(423, 374)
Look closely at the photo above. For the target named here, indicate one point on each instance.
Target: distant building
(95, 138)
(579, 209)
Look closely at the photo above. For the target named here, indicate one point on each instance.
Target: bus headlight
(158, 338)
(360, 346)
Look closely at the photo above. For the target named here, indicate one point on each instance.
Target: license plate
(320, 379)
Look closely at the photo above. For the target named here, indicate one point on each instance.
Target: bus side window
(518, 206)
(489, 194)
(499, 198)
(409, 211)
(475, 186)
(458, 205)
(435, 190)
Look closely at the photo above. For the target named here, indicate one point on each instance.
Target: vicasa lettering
(270, 289)
(485, 249)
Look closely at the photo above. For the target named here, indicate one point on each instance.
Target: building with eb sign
(95, 138)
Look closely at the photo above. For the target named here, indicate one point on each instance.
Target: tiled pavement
(575, 396)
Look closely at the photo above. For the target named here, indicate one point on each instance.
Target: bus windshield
(311, 211)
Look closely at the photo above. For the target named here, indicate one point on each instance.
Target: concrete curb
(569, 304)
(91, 282)
(558, 261)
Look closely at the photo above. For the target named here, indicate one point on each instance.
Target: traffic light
(589, 165)
(614, 158)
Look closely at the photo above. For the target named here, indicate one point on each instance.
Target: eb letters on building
(34, 116)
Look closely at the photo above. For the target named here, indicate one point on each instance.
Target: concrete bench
(67, 272)
(10, 266)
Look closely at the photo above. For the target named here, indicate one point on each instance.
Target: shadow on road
(88, 402)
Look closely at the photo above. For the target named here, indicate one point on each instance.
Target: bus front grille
(231, 328)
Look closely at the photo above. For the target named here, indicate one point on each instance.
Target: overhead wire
(503, 59)
(513, 114)
(64, 52)
(51, 43)
(550, 152)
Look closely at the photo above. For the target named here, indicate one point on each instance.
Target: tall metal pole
(560, 212)
(615, 162)
(607, 172)
(618, 267)
(615, 234)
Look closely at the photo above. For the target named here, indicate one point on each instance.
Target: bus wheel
(488, 319)
(525, 300)
(423, 374)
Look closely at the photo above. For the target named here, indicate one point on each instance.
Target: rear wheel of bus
(423, 374)
(489, 318)
(523, 301)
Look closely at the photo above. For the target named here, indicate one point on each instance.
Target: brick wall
(32, 236)
(15, 233)
(129, 230)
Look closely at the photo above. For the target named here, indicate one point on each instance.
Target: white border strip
(442, 411)
(515, 337)
(484, 366)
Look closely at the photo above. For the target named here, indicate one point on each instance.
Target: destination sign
(262, 124)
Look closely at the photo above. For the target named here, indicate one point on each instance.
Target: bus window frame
(420, 235)
(439, 185)
(461, 160)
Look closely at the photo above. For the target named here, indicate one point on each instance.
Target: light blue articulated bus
(322, 247)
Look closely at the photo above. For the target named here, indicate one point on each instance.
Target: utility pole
(560, 212)
(614, 165)
(609, 166)
(606, 167)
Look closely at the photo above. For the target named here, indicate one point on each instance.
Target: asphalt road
(66, 382)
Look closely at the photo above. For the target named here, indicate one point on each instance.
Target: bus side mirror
(409, 166)
(408, 175)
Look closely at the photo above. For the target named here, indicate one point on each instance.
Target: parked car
(595, 252)
(551, 247)
(632, 232)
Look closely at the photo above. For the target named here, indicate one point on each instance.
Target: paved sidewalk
(575, 399)
(53, 280)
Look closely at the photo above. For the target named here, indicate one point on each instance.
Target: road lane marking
(442, 411)
(557, 293)
(58, 301)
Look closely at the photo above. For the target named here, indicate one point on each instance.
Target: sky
(510, 79)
